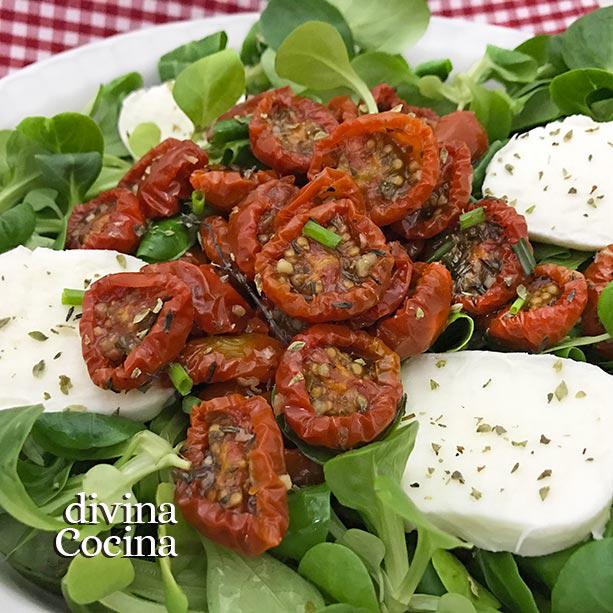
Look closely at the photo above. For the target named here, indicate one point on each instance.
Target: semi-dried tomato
(113, 220)
(414, 327)
(284, 129)
(343, 108)
(598, 275)
(244, 388)
(251, 226)
(214, 239)
(133, 324)
(465, 127)
(391, 156)
(236, 490)
(310, 281)
(555, 299)
(484, 267)
(449, 198)
(387, 99)
(302, 470)
(142, 167)
(224, 188)
(338, 387)
(250, 358)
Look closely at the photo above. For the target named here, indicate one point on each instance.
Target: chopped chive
(320, 234)
(198, 202)
(522, 296)
(523, 251)
(72, 297)
(472, 218)
(189, 402)
(180, 379)
(444, 249)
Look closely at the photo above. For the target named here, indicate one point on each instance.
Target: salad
(328, 332)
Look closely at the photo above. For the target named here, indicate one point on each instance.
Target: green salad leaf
(167, 239)
(143, 138)
(375, 67)
(605, 308)
(16, 226)
(588, 91)
(171, 64)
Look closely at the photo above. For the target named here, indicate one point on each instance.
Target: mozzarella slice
(513, 451)
(52, 371)
(559, 177)
(154, 105)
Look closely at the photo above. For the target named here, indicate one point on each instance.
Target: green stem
(419, 564)
(12, 194)
(396, 560)
(336, 528)
(49, 226)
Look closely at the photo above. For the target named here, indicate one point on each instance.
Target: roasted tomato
(484, 267)
(251, 359)
(302, 470)
(214, 239)
(133, 324)
(224, 188)
(167, 182)
(236, 490)
(285, 128)
(449, 198)
(387, 99)
(392, 157)
(598, 275)
(343, 108)
(465, 127)
(113, 220)
(251, 226)
(315, 283)
(215, 390)
(141, 169)
(338, 387)
(555, 299)
(395, 293)
(414, 327)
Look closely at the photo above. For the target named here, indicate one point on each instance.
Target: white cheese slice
(513, 451)
(559, 177)
(31, 284)
(154, 105)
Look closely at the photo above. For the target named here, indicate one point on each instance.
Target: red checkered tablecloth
(34, 29)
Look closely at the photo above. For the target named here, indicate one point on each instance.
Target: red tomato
(465, 127)
(216, 390)
(598, 275)
(250, 358)
(315, 283)
(224, 188)
(214, 239)
(395, 293)
(302, 471)
(338, 387)
(484, 267)
(113, 220)
(285, 128)
(556, 297)
(142, 167)
(414, 327)
(391, 156)
(251, 226)
(387, 99)
(449, 198)
(343, 108)
(235, 492)
(133, 324)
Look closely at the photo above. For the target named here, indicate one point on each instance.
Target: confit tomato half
(448, 200)
(235, 492)
(213, 235)
(463, 126)
(338, 387)
(310, 281)
(133, 324)
(483, 265)
(284, 129)
(421, 318)
(555, 299)
(112, 220)
(391, 156)
(387, 99)
(598, 275)
(343, 108)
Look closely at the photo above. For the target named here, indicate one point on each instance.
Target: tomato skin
(465, 127)
(160, 192)
(395, 293)
(598, 275)
(270, 143)
(348, 148)
(213, 235)
(224, 188)
(386, 98)
(118, 223)
(302, 471)
(254, 220)
(163, 342)
(343, 108)
(414, 327)
(454, 184)
(329, 184)
(338, 431)
(332, 304)
(248, 532)
(215, 390)
(217, 359)
(135, 176)
(538, 328)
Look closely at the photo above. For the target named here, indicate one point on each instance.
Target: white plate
(66, 82)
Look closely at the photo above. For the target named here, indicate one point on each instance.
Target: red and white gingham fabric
(34, 29)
